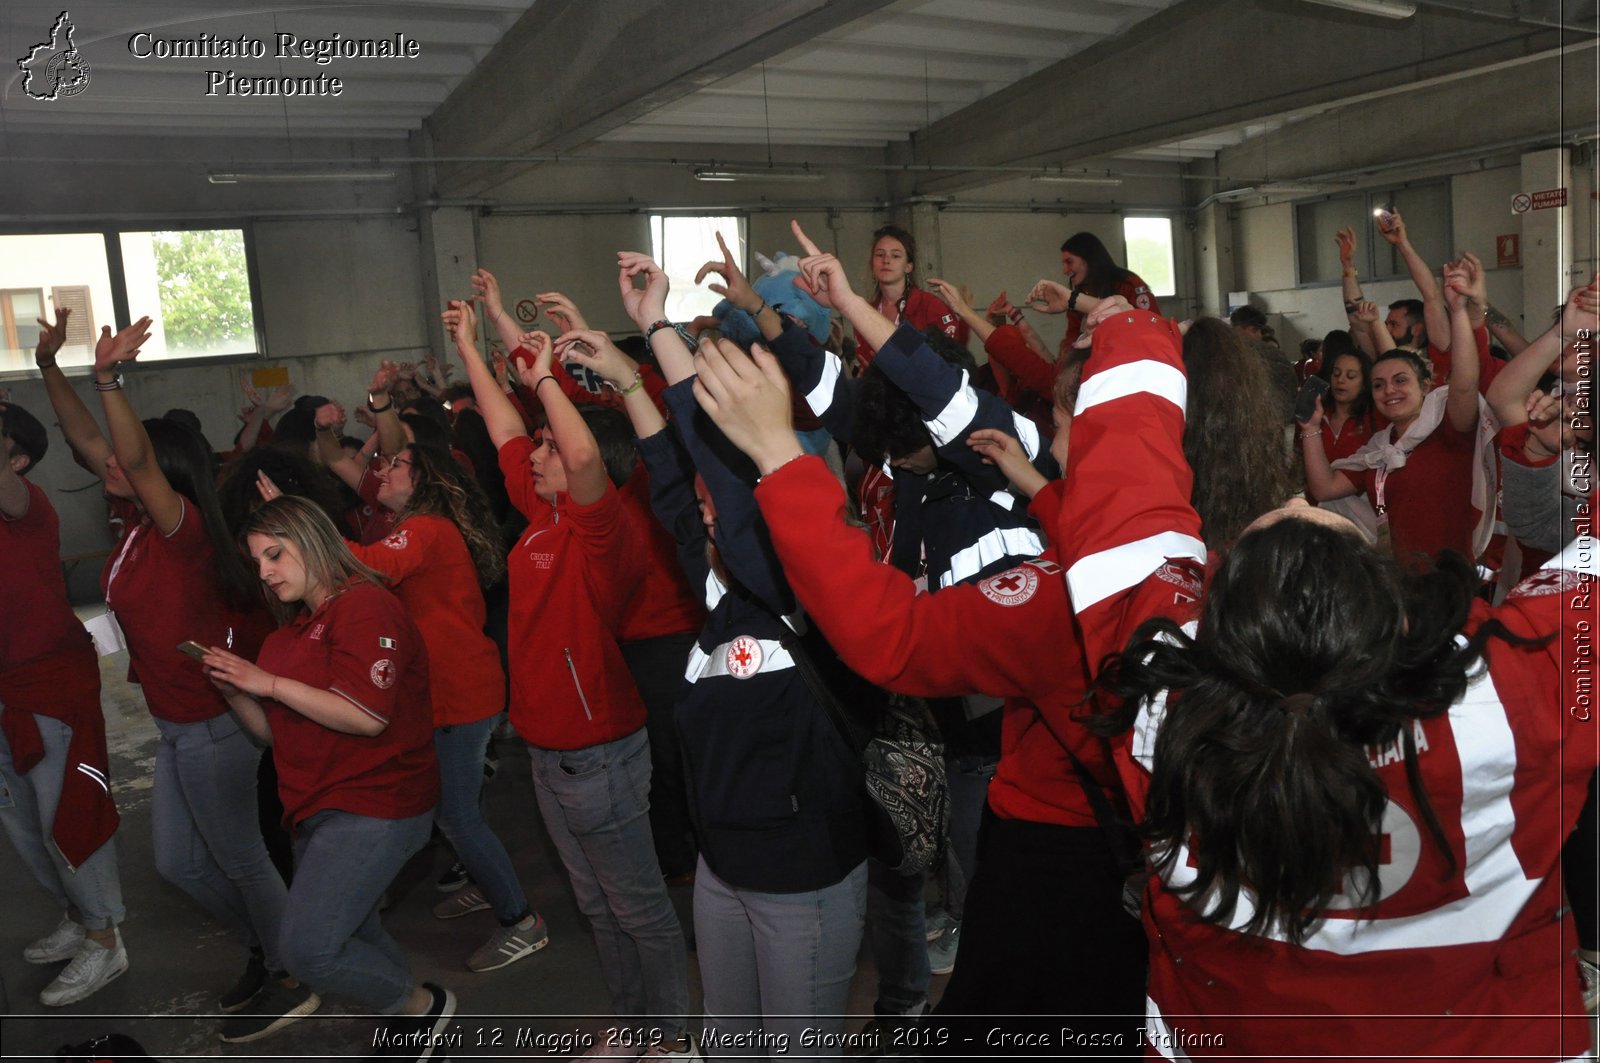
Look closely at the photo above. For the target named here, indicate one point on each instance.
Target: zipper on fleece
(574, 670)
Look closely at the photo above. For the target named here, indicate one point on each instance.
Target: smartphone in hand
(192, 649)
(1311, 392)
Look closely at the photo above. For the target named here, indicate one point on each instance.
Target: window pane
(1149, 243)
(681, 245)
(195, 284)
(1426, 211)
(1316, 224)
(40, 264)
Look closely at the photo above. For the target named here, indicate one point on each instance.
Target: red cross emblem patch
(1550, 581)
(1013, 587)
(744, 657)
(397, 541)
(383, 674)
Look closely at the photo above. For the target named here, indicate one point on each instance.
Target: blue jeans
(332, 937)
(969, 775)
(777, 964)
(460, 750)
(206, 835)
(596, 806)
(897, 921)
(93, 887)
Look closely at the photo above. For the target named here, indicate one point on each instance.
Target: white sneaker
(91, 968)
(689, 1052)
(60, 944)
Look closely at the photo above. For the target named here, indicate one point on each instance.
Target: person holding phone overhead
(175, 576)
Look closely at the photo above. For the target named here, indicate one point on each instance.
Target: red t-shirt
(1488, 365)
(432, 574)
(572, 574)
(1133, 288)
(163, 590)
(922, 310)
(663, 604)
(1353, 434)
(34, 612)
(362, 646)
(1430, 499)
(370, 521)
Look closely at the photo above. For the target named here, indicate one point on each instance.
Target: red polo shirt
(362, 646)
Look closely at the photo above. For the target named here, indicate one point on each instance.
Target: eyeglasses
(398, 460)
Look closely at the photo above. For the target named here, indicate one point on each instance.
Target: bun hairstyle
(1310, 645)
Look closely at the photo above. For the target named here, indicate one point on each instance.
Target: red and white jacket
(1465, 965)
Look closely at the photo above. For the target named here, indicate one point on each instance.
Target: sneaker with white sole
(453, 879)
(509, 944)
(684, 1049)
(275, 1007)
(416, 1036)
(60, 944)
(464, 903)
(942, 950)
(91, 968)
(249, 983)
(938, 922)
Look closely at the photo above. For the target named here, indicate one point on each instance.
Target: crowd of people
(1262, 680)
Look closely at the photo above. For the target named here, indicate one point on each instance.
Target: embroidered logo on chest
(744, 657)
(383, 674)
(316, 632)
(1551, 581)
(1181, 576)
(542, 560)
(397, 541)
(1014, 587)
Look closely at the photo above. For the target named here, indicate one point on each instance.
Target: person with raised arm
(176, 576)
(896, 298)
(1047, 892)
(1425, 475)
(779, 890)
(340, 693)
(60, 817)
(1348, 815)
(572, 699)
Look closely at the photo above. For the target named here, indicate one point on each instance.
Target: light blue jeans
(775, 964)
(332, 937)
(94, 887)
(205, 829)
(897, 922)
(460, 750)
(596, 806)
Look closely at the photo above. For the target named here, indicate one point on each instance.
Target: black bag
(902, 767)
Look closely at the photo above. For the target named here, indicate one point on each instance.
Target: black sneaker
(453, 879)
(416, 1037)
(249, 984)
(275, 1007)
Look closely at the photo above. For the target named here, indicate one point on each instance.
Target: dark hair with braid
(1310, 645)
(440, 487)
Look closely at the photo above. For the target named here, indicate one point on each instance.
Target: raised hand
(735, 286)
(1005, 453)
(461, 322)
(822, 276)
(1456, 286)
(749, 400)
(1000, 310)
(502, 371)
(51, 337)
(1346, 239)
(384, 379)
(1395, 230)
(1581, 314)
(561, 310)
(646, 305)
(486, 288)
(364, 416)
(1367, 312)
(330, 415)
(408, 370)
(1049, 297)
(1108, 306)
(122, 347)
(266, 488)
(541, 347)
(957, 299)
(594, 349)
(1477, 282)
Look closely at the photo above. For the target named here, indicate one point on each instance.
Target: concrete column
(449, 237)
(1214, 273)
(1547, 250)
(924, 225)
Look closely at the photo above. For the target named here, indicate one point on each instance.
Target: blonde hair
(327, 559)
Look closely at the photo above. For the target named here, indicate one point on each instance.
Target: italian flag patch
(387, 643)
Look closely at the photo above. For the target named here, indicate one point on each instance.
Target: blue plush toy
(777, 286)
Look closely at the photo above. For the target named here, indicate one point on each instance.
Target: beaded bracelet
(114, 384)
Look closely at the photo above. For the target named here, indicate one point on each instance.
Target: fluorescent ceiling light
(756, 173)
(1381, 8)
(1277, 188)
(1100, 180)
(242, 177)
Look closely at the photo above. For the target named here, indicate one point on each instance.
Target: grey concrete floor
(180, 960)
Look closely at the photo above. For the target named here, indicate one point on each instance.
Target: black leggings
(1580, 866)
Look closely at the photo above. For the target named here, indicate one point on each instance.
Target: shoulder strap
(1126, 848)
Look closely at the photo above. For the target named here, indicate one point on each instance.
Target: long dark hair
(189, 465)
(1233, 433)
(1362, 404)
(1104, 276)
(440, 487)
(292, 472)
(1310, 645)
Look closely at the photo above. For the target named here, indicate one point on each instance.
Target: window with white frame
(681, 244)
(1150, 255)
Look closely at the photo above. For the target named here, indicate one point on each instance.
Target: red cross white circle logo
(744, 657)
(383, 674)
(1011, 588)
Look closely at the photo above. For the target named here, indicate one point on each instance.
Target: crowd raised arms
(1323, 660)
